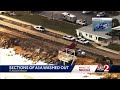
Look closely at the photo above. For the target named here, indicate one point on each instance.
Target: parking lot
(79, 15)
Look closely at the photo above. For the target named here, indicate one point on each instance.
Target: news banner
(58, 68)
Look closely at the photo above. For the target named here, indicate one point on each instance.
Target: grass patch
(114, 47)
(48, 23)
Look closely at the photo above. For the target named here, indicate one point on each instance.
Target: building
(116, 31)
(99, 37)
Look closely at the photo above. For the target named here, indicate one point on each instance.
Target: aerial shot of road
(44, 40)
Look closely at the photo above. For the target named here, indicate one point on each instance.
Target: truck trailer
(68, 17)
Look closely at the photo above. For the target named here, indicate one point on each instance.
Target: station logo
(103, 68)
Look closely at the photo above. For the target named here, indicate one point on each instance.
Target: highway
(57, 39)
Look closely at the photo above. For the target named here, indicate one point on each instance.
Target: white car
(101, 14)
(77, 39)
(83, 41)
(85, 12)
(81, 22)
(11, 13)
(68, 37)
(39, 28)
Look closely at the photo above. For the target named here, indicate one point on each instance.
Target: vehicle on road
(101, 14)
(86, 12)
(82, 41)
(39, 28)
(81, 22)
(68, 37)
(12, 13)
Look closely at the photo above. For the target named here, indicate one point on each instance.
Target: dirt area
(40, 48)
(85, 61)
(19, 50)
(45, 49)
(5, 35)
(34, 49)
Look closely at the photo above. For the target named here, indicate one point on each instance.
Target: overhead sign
(102, 24)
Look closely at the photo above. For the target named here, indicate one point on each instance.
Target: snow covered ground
(8, 57)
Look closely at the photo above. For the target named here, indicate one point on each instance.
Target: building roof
(88, 29)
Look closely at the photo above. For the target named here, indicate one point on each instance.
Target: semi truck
(68, 17)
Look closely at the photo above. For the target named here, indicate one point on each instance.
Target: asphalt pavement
(79, 15)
